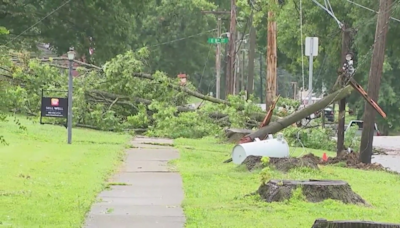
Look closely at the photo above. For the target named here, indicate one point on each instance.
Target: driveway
(391, 146)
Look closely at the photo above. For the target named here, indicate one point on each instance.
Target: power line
(329, 12)
(369, 9)
(183, 38)
(48, 15)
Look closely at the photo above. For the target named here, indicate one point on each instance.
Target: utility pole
(218, 62)
(230, 68)
(218, 52)
(271, 56)
(242, 81)
(346, 39)
(261, 78)
(252, 50)
(375, 74)
(294, 86)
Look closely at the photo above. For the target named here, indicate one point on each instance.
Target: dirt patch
(252, 162)
(311, 161)
(283, 164)
(351, 161)
(313, 191)
(286, 164)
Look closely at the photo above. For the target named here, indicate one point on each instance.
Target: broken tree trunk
(313, 190)
(276, 126)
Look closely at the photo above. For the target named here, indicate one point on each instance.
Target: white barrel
(275, 148)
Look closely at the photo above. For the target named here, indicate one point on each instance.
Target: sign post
(311, 50)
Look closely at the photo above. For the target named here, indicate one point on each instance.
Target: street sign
(311, 50)
(217, 40)
(311, 46)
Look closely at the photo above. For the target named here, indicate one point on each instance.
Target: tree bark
(230, 68)
(271, 58)
(323, 223)
(374, 81)
(275, 127)
(252, 50)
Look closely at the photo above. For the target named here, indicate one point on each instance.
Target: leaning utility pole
(252, 50)
(374, 81)
(346, 39)
(218, 52)
(271, 57)
(230, 68)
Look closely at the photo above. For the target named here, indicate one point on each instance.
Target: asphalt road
(391, 146)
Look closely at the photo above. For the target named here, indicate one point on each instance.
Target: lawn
(214, 192)
(44, 182)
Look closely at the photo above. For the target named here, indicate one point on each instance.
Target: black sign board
(54, 107)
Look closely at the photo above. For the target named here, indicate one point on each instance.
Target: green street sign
(217, 40)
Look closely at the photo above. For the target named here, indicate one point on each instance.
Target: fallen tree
(282, 123)
(119, 96)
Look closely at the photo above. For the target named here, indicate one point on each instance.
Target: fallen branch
(184, 89)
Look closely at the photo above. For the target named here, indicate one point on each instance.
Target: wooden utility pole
(230, 68)
(271, 56)
(346, 39)
(261, 78)
(252, 51)
(294, 87)
(374, 81)
(242, 79)
(218, 51)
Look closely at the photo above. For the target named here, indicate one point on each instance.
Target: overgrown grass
(214, 192)
(44, 182)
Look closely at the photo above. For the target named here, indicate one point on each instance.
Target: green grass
(214, 192)
(44, 182)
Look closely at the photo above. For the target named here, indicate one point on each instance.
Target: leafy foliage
(319, 138)
(119, 104)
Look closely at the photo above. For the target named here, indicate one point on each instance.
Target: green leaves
(3, 30)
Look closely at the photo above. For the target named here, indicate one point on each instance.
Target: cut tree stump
(313, 190)
(323, 223)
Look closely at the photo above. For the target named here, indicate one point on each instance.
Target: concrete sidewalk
(152, 195)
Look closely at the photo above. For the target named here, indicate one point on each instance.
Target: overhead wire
(365, 56)
(298, 139)
(40, 20)
(369, 9)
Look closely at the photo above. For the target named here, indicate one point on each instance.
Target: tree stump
(323, 223)
(313, 190)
